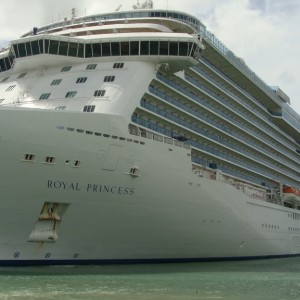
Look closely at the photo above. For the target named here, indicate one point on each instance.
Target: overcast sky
(265, 33)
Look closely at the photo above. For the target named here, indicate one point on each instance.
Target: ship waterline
(132, 137)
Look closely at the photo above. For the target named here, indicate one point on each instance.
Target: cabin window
(89, 108)
(109, 78)
(99, 93)
(91, 66)
(4, 79)
(45, 96)
(81, 80)
(29, 157)
(21, 75)
(76, 163)
(66, 69)
(56, 82)
(118, 65)
(49, 160)
(10, 88)
(70, 94)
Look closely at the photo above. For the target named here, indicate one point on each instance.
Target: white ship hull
(138, 136)
(166, 213)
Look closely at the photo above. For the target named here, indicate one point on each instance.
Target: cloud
(263, 32)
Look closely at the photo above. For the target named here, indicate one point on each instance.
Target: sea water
(276, 279)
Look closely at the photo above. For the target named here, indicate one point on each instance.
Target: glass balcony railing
(220, 153)
(211, 122)
(262, 117)
(220, 113)
(217, 154)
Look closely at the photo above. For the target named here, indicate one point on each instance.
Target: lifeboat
(291, 194)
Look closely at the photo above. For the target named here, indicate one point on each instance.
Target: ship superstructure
(139, 136)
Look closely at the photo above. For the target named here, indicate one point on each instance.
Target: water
(276, 279)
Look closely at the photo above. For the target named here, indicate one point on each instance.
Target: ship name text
(89, 187)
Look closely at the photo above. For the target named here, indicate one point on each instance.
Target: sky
(265, 33)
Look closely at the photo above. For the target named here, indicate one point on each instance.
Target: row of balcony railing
(217, 155)
(218, 112)
(282, 174)
(225, 129)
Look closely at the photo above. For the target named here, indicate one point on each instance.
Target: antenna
(118, 8)
(148, 4)
(73, 13)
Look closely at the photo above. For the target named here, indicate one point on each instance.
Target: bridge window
(41, 44)
(96, 50)
(16, 50)
(46, 46)
(163, 48)
(53, 48)
(22, 50)
(145, 48)
(35, 47)
(106, 49)
(183, 48)
(80, 50)
(88, 50)
(28, 49)
(134, 48)
(153, 48)
(115, 49)
(63, 48)
(173, 48)
(73, 49)
(124, 48)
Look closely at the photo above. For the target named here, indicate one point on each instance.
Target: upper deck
(146, 22)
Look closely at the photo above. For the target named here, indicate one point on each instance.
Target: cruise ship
(137, 136)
